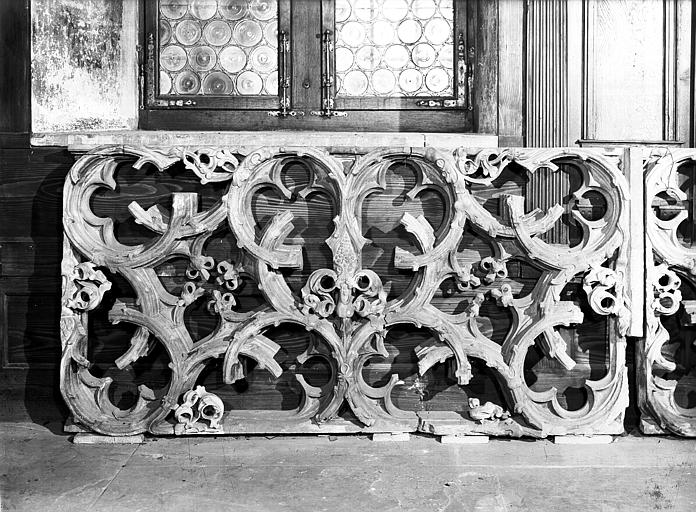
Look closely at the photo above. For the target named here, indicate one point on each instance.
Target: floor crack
(118, 471)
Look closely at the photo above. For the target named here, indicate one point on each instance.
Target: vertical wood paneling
(510, 69)
(547, 74)
(685, 68)
(611, 70)
(486, 70)
(669, 101)
(306, 49)
(14, 69)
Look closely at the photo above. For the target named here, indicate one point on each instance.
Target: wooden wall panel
(31, 187)
(510, 72)
(624, 69)
(486, 70)
(608, 70)
(29, 333)
(14, 72)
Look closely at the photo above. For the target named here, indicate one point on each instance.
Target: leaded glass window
(218, 47)
(398, 48)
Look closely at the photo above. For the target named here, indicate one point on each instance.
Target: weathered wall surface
(84, 65)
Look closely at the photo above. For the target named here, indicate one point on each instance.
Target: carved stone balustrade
(667, 354)
(385, 290)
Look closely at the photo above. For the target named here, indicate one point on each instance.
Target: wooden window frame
(306, 21)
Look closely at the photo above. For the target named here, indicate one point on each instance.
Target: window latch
(284, 79)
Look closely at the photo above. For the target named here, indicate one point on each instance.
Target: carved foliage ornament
(345, 307)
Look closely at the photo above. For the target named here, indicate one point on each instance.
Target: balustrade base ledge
(81, 142)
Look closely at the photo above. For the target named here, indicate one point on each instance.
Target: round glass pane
(447, 9)
(423, 55)
(396, 56)
(437, 31)
(437, 80)
(249, 83)
(382, 33)
(423, 9)
(217, 33)
(410, 80)
(248, 33)
(187, 82)
(383, 81)
(204, 9)
(217, 83)
(366, 10)
(173, 58)
(263, 9)
(355, 83)
(368, 57)
(270, 33)
(395, 10)
(409, 31)
(232, 59)
(342, 10)
(165, 83)
(446, 56)
(202, 58)
(272, 84)
(173, 9)
(188, 32)
(353, 33)
(165, 32)
(263, 59)
(232, 9)
(344, 59)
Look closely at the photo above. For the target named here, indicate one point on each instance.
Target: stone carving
(89, 286)
(346, 308)
(604, 289)
(487, 411)
(670, 271)
(199, 412)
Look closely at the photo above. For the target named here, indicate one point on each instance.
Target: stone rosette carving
(199, 413)
(345, 308)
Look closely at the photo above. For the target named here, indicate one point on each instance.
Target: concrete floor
(41, 470)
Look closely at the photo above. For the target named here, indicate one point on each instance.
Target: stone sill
(84, 141)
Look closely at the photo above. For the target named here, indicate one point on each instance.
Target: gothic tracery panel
(394, 290)
(667, 355)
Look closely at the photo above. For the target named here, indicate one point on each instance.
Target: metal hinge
(150, 96)
(284, 79)
(439, 103)
(470, 79)
(465, 80)
(465, 74)
(327, 79)
(141, 76)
